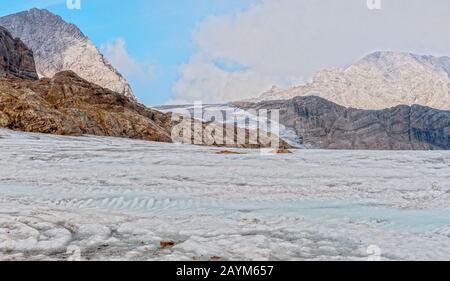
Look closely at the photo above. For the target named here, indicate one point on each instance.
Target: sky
(180, 51)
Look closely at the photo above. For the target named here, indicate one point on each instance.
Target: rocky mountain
(380, 80)
(69, 105)
(16, 60)
(320, 123)
(60, 46)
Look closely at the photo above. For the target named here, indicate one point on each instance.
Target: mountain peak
(45, 18)
(380, 80)
(37, 11)
(59, 46)
(382, 58)
(34, 13)
(388, 60)
(396, 56)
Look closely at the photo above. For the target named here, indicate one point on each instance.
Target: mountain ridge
(323, 124)
(379, 80)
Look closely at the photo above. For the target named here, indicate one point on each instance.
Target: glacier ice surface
(98, 198)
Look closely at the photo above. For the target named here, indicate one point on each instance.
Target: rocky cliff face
(380, 80)
(59, 46)
(16, 60)
(323, 124)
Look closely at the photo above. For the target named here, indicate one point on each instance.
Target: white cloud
(205, 81)
(285, 42)
(117, 54)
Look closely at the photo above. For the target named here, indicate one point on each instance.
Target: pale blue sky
(157, 33)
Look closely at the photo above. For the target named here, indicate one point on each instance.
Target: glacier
(100, 198)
